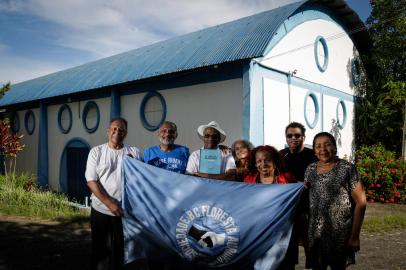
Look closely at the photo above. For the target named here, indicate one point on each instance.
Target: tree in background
(10, 144)
(4, 89)
(381, 114)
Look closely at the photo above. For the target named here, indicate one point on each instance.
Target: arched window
(355, 71)
(341, 113)
(65, 118)
(321, 53)
(29, 122)
(91, 116)
(14, 122)
(311, 110)
(153, 110)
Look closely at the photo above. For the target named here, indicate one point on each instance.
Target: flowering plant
(382, 174)
(10, 146)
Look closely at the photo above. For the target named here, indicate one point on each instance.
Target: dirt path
(379, 251)
(30, 244)
(42, 245)
(382, 251)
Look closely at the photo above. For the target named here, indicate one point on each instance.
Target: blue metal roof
(241, 39)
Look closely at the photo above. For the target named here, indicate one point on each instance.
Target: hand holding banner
(211, 222)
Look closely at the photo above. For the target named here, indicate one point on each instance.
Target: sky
(39, 37)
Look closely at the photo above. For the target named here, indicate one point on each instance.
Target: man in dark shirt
(296, 158)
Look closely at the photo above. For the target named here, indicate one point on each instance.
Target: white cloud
(10, 6)
(103, 27)
(16, 69)
(106, 27)
(3, 48)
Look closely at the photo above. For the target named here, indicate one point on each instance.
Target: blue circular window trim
(144, 101)
(27, 116)
(14, 119)
(355, 71)
(342, 104)
(323, 42)
(86, 109)
(316, 110)
(61, 110)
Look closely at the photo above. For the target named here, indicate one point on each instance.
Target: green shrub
(23, 180)
(20, 196)
(382, 174)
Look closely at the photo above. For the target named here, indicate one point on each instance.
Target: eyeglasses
(296, 135)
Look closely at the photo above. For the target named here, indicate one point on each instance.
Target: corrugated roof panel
(240, 39)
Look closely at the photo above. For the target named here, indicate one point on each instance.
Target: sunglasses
(214, 136)
(296, 135)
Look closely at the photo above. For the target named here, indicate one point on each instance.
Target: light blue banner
(215, 223)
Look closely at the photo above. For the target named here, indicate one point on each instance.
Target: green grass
(19, 196)
(384, 217)
(384, 223)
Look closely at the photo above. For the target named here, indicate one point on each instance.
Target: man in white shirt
(212, 135)
(104, 179)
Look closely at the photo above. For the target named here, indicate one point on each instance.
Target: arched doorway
(72, 170)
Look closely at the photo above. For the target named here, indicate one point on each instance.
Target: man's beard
(166, 141)
(297, 148)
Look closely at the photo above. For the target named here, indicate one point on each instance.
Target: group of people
(330, 212)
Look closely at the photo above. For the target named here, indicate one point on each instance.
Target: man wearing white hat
(212, 135)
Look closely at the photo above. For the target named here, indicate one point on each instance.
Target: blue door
(76, 167)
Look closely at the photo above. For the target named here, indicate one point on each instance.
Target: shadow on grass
(35, 245)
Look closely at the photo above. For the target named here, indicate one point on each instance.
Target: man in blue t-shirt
(167, 155)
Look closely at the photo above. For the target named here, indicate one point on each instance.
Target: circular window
(153, 111)
(29, 122)
(91, 116)
(341, 113)
(311, 110)
(355, 71)
(14, 122)
(321, 53)
(65, 118)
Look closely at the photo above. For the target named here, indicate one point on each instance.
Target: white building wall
(295, 52)
(27, 159)
(277, 114)
(189, 107)
(58, 140)
(298, 111)
(276, 99)
(345, 145)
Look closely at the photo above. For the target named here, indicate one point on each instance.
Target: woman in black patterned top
(337, 207)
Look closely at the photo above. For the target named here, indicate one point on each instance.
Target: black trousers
(107, 241)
